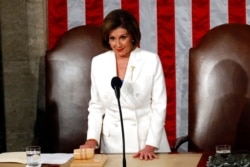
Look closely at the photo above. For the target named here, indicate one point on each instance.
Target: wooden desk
(164, 160)
(115, 160)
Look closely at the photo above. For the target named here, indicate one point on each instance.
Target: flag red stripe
(132, 6)
(57, 20)
(166, 51)
(200, 19)
(94, 12)
(237, 11)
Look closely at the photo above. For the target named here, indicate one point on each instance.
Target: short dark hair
(124, 19)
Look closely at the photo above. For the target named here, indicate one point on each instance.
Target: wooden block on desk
(98, 161)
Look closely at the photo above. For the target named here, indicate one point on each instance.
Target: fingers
(136, 155)
(84, 146)
(145, 156)
(148, 156)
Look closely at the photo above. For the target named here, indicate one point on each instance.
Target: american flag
(168, 27)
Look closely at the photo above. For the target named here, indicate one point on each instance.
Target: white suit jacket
(143, 103)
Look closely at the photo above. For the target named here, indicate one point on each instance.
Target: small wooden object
(84, 153)
(87, 158)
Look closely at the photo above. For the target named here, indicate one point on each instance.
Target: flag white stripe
(76, 15)
(111, 5)
(183, 29)
(218, 12)
(248, 11)
(148, 25)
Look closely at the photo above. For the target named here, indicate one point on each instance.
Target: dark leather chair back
(219, 89)
(67, 82)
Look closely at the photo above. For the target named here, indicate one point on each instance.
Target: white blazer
(143, 102)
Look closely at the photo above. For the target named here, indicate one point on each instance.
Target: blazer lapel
(133, 71)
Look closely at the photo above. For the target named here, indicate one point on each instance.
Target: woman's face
(120, 42)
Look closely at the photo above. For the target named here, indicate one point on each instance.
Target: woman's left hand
(148, 153)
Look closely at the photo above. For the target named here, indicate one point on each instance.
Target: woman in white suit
(142, 94)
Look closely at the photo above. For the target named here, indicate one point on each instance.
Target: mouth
(119, 50)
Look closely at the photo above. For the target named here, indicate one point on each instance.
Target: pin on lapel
(132, 71)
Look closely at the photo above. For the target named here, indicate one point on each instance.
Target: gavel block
(84, 153)
(87, 158)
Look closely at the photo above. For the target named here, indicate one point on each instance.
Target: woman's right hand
(91, 143)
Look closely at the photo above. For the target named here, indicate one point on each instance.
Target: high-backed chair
(62, 126)
(219, 90)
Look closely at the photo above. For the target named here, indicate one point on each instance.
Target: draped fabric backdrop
(169, 27)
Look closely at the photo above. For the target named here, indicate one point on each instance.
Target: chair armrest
(179, 141)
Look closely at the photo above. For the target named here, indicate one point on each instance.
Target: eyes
(122, 37)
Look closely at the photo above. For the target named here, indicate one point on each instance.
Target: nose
(117, 43)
